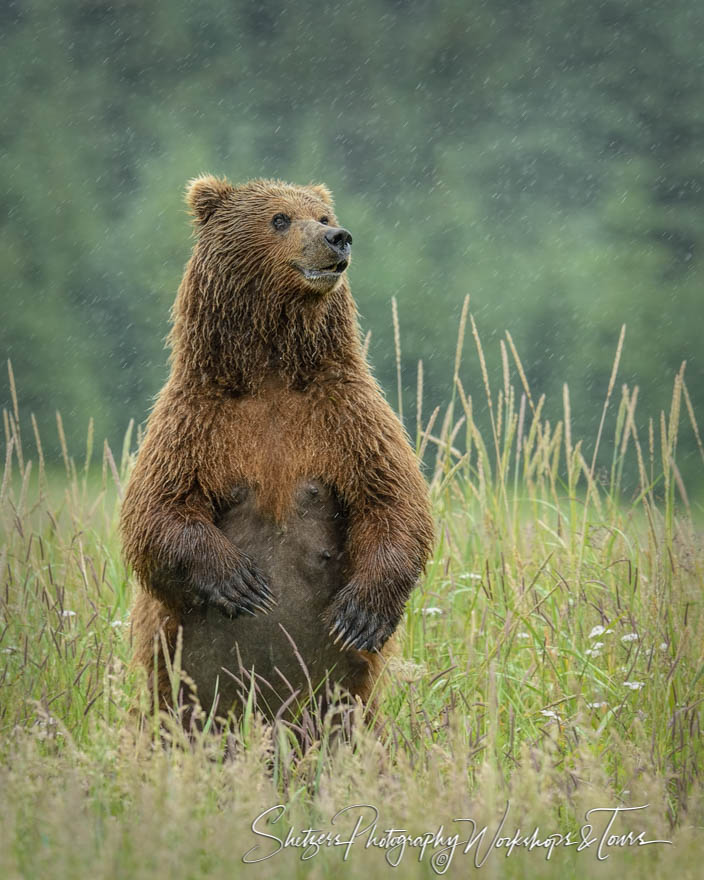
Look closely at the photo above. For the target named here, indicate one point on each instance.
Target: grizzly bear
(276, 511)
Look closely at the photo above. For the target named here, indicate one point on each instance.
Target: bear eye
(325, 220)
(281, 222)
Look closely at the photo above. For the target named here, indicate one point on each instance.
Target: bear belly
(289, 648)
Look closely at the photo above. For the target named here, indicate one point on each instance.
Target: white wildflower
(599, 631)
(431, 611)
(630, 637)
(597, 705)
(523, 635)
(595, 651)
(67, 613)
(633, 685)
(548, 713)
(663, 646)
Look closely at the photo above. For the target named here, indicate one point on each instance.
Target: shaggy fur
(269, 389)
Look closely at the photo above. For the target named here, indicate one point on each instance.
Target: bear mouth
(325, 273)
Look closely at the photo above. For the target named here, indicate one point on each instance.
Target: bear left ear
(322, 192)
(205, 193)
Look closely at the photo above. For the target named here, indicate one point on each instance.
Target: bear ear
(204, 194)
(322, 192)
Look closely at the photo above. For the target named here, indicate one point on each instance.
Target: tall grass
(553, 657)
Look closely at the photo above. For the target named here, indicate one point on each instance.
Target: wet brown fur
(268, 387)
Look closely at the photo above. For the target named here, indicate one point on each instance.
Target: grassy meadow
(552, 660)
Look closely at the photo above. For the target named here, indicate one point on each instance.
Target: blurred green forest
(544, 156)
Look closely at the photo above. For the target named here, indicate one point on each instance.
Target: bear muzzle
(326, 258)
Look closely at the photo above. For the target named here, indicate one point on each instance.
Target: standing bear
(276, 511)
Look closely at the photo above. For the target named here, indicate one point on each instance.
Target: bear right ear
(204, 194)
(322, 192)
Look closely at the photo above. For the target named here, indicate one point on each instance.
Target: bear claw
(360, 628)
(244, 592)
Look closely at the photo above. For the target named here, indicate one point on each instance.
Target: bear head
(270, 233)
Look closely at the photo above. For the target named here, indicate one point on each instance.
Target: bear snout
(339, 241)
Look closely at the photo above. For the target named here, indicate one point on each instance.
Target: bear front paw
(244, 591)
(357, 625)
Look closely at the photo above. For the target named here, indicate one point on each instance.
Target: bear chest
(272, 442)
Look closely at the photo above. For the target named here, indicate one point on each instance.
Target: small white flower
(599, 631)
(431, 611)
(663, 646)
(595, 651)
(633, 685)
(117, 623)
(630, 637)
(67, 613)
(548, 713)
(9, 650)
(597, 705)
(523, 635)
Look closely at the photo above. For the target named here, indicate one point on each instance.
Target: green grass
(553, 657)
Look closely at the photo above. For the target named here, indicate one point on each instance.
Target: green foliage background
(544, 156)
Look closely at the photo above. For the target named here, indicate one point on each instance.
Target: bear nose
(339, 239)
